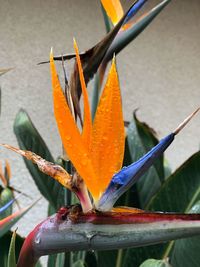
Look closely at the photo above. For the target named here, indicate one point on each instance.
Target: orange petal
(127, 210)
(108, 136)
(87, 123)
(113, 9)
(8, 169)
(2, 177)
(70, 135)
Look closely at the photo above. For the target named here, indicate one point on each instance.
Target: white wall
(159, 73)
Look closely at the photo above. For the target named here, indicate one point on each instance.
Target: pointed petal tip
(51, 54)
(186, 121)
(74, 41)
(75, 47)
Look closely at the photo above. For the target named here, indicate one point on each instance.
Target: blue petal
(125, 178)
(136, 7)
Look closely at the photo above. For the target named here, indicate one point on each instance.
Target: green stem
(107, 21)
(119, 258)
(95, 96)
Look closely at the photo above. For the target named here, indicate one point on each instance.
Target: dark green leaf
(186, 251)
(91, 259)
(95, 95)
(11, 253)
(5, 197)
(5, 244)
(177, 194)
(52, 260)
(167, 169)
(51, 210)
(181, 190)
(149, 139)
(29, 139)
(141, 139)
(107, 258)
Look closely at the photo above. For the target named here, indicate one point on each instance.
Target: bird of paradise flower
(96, 153)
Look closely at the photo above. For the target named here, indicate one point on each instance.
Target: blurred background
(159, 74)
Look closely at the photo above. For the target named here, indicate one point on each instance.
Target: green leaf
(51, 210)
(38, 264)
(141, 139)
(52, 260)
(186, 251)
(5, 197)
(78, 263)
(149, 139)
(181, 190)
(57, 260)
(167, 169)
(155, 263)
(95, 94)
(177, 194)
(29, 139)
(91, 259)
(107, 258)
(5, 244)
(78, 256)
(11, 254)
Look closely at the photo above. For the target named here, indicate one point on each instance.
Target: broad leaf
(178, 194)
(181, 190)
(29, 139)
(186, 251)
(141, 139)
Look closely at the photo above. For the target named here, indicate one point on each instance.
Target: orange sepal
(87, 122)
(108, 136)
(113, 9)
(70, 135)
(127, 210)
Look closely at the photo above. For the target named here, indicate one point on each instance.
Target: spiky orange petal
(113, 9)
(108, 134)
(87, 123)
(70, 135)
(8, 169)
(2, 177)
